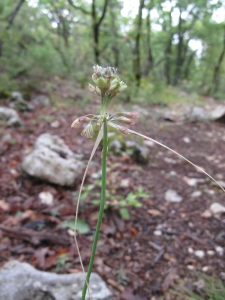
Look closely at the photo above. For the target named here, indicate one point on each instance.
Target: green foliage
(62, 262)
(56, 39)
(82, 226)
(132, 199)
(213, 289)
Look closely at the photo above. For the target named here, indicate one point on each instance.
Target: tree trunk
(179, 60)
(150, 61)
(216, 80)
(136, 61)
(96, 23)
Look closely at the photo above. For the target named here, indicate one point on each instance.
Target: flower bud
(98, 91)
(126, 120)
(91, 88)
(131, 115)
(101, 83)
(122, 87)
(83, 119)
(114, 85)
(94, 78)
(123, 129)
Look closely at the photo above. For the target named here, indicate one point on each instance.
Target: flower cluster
(108, 84)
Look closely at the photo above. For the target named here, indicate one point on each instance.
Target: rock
(16, 96)
(206, 214)
(199, 253)
(218, 114)
(149, 143)
(157, 232)
(217, 208)
(190, 250)
(51, 160)
(210, 252)
(116, 147)
(41, 99)
(186, 139)
(197, 114)
(20, 281)
(11, 116)
(172, 196)
(193, 181)
(196, 194)
(219, 250)
(46, 198)
(170, 160)
(18, 102)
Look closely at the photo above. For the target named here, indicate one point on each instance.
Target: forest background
(158, 45)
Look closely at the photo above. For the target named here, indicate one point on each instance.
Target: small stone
(172, 196)
(55, 124)
(193, 181)
(222, 275)
(125, 183)
(205, 269)
(206, 214)
(173, 173)
(4, 206)
(217, 208)
(196, 194)
(157, 232)
(186, 139)
(46, 198)
(219, 250)
(148, 143)
(199, 253)
(190, 267)
(210, 252)
(154, 212)
(190, 250)
(170, 160)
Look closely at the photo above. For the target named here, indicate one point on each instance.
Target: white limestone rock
(51, 160)
(173, 196)
(20, 281)
(10, 116)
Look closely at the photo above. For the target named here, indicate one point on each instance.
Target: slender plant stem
(101, 210)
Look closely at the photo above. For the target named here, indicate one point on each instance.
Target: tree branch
(103, 12)
(79, 8)
(13, 14)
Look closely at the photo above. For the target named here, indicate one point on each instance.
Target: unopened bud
(91, 88)
(101, 83)
(131, 115)
(122, 87)
(126, 120)
(123, 129)
(94, 78)
(114, 85)
(98, 91)
(80, 120)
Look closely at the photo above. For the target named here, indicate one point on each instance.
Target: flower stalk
(101, 209)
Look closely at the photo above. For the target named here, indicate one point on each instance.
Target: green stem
(101, 210)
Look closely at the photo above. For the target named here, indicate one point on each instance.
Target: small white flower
(88, 131)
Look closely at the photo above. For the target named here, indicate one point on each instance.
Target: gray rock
(10, 116)
(21, 281)
(116, 147)
(217, 208)
(218, 114)
(141, 154)
(41, 99)
(197, 114)
(52, 160)
(172, 196)
(18, 102)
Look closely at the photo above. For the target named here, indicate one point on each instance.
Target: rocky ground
(177, 231)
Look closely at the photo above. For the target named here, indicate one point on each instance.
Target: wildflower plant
(107, 86)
